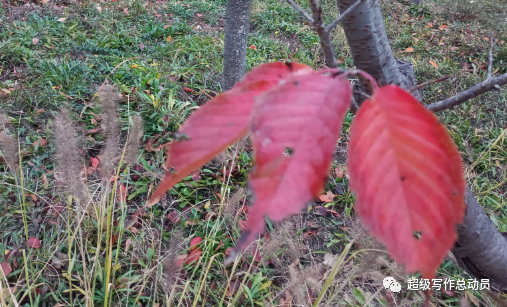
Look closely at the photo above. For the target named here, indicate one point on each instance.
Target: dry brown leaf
(409, 49)
(287, 301)
(150, 203)
(45, 180)
(434, 64)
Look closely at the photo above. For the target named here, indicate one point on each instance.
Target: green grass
(165, 66)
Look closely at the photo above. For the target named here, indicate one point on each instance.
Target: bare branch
(472, 92)
(317, 13)
(324, 35)
(420, 86)
(491, 43)
(300, 10)
(342, 16)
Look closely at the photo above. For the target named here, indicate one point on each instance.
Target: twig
(342, 16)
(491, 43)
(472, 92)
(420, 86)
(300, 10)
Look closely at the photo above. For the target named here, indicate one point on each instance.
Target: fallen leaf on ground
(34, 243)
(195, 241)
(6, 268)
(173, 216)
(193, 256)
(328, 197)
(152, 202)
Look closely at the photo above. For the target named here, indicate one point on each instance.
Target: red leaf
(188, 89)
(407, 175)
(194, 242)
(122, 193)
(173, 217)
(95, 162)
(196, 175)
(32, 196)
(339, 172)
(34, 243)
(221, 122)
(328, 197)
(304, 114)
(194, 255)
(6, 268)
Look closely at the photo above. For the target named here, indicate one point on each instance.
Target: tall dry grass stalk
(108, 98)
(231, 206)
(300, 278)
(67, 155)
(134, 140)
(9, 150)
(282, 237)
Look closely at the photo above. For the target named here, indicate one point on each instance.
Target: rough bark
(237, 26)
(480, 249)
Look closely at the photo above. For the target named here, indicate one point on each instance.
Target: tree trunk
(480, 249)
(370, 48)
(237, 26)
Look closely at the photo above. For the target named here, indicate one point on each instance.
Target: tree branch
(420, 86)
(324, 34)
(317, 14)
(472, 92)
(300, 10)
(342, 16)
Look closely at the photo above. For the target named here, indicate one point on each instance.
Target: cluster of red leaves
(403, 166)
